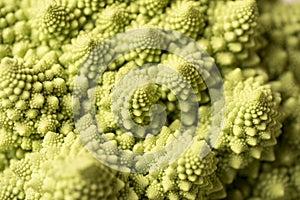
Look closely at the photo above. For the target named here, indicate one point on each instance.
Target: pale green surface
(255, 44)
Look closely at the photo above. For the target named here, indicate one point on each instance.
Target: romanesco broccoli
(201, 102)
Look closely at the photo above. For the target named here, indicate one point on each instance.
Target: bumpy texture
(49, 100)
(252, 123)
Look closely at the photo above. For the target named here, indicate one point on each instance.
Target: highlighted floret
(186, 17)
(232, 33)
(112, 20)
(252, 122)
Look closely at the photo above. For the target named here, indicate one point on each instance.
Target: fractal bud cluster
(66, 110)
